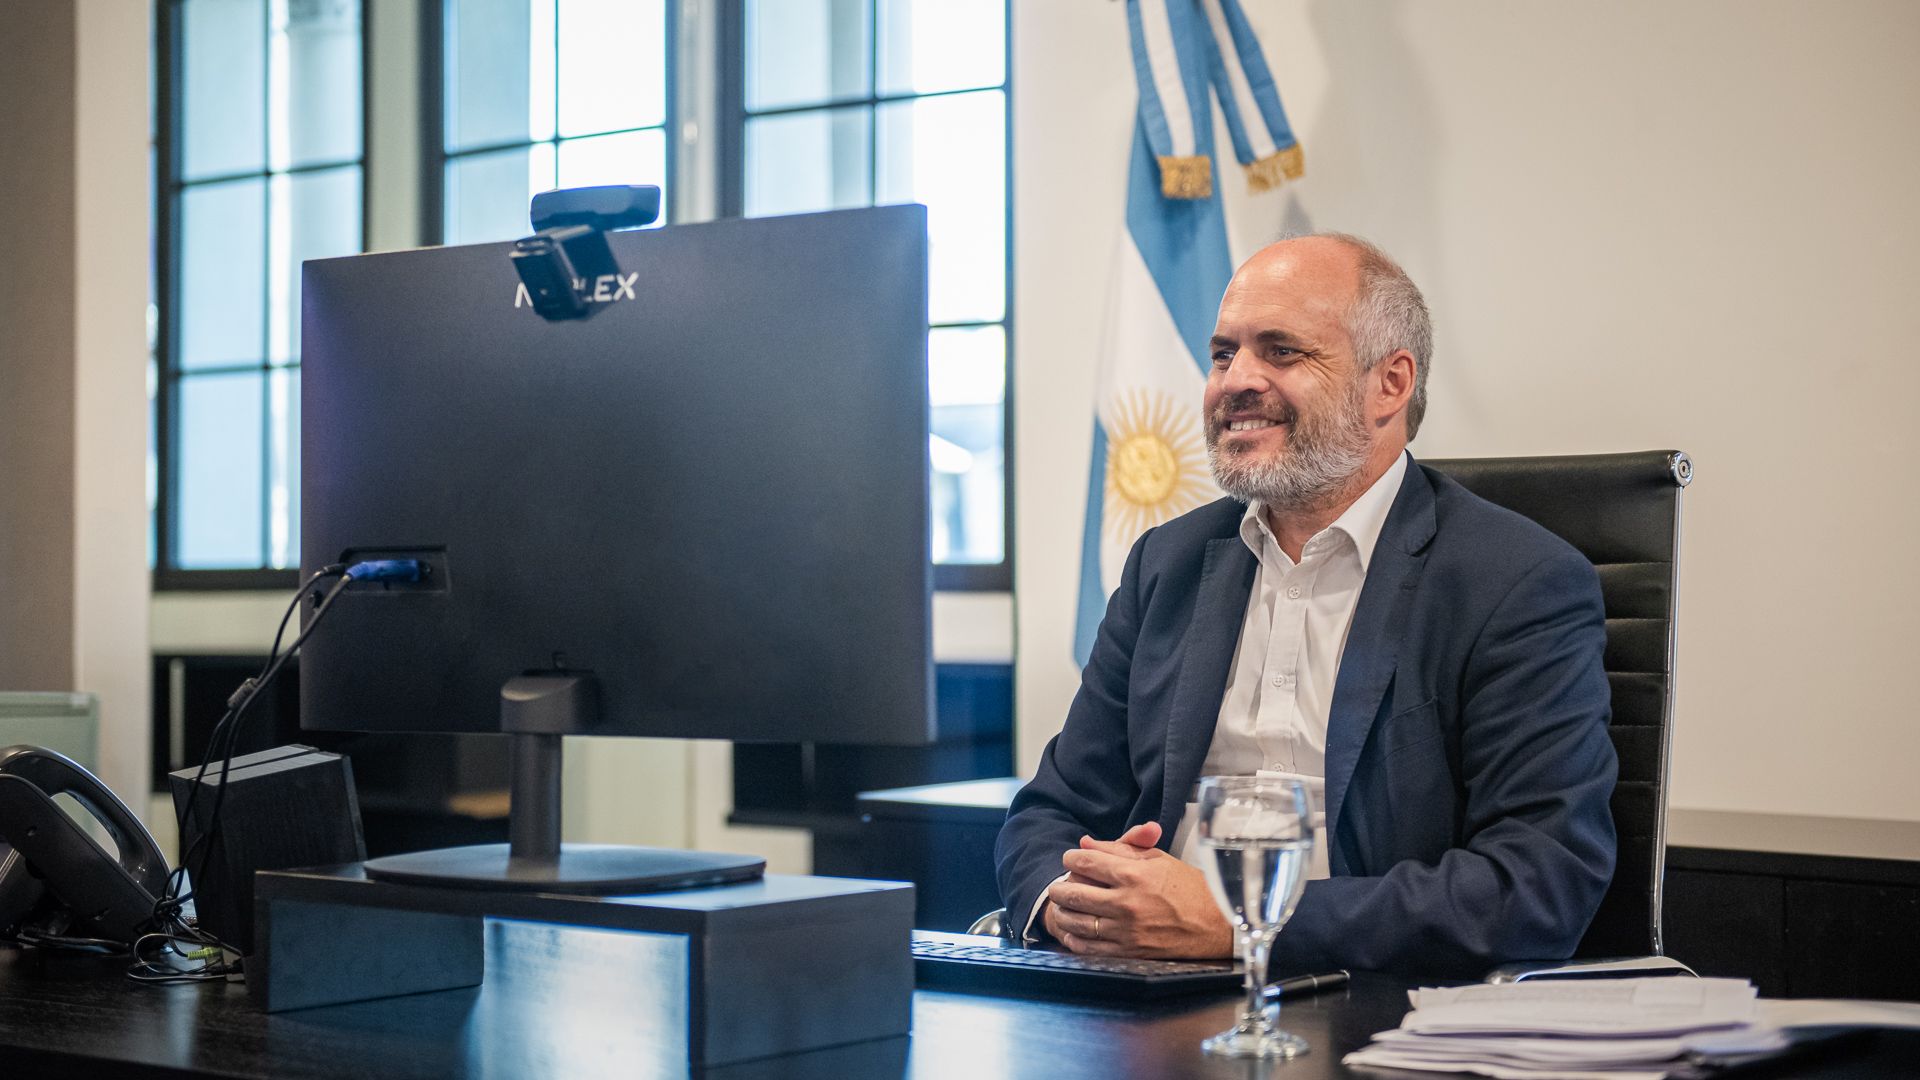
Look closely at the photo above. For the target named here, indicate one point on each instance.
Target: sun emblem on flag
(1156, 463)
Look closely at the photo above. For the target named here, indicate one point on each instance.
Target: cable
(171, 926)
(57, 941)
(222, 739)
(166, 969)
(237, 705)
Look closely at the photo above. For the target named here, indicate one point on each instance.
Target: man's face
(1284, 417)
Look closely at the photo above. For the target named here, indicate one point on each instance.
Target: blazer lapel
(1373, 639)
(1220, 606)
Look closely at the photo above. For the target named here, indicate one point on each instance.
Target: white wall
(393, 123)
(1640, 225)
(110, 656)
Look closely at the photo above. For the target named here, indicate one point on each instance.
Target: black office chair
(1622, 511)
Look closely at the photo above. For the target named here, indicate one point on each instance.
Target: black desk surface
(69, 1015)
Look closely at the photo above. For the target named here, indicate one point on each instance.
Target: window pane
(966, 366)
(223, 251)
(802, 162)
(224, 91)
(612, 65)
(220, 463)
(635, 157)
(487, 196)
(966, 384)
(806, 52)
(543, 169)
(543, 82)
(933, 45)
(283, 467)
(323, 81)
(950, 153)
(316, 215)
(486, 72)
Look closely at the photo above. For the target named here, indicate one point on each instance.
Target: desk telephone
(55, 880)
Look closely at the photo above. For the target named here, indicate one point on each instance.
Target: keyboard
(990, 965)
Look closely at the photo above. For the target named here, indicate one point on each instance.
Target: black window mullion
(366, 125)
(266, 286)
(433, 122)
(1003, 580)
(870, 99)
(873, 111)
(733, 107)
(495, 148)
(293, 170)
(672, 205)
(266, 465)
(556, 92)
(167, 19)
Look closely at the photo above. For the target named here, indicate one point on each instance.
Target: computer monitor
(710, 493)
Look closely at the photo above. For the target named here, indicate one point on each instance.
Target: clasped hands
(1126, 897)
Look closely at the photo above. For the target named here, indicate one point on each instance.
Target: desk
(70, 1015)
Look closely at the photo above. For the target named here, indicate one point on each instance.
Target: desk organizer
(776, 966)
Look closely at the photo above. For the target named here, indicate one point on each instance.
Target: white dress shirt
(1273, 716)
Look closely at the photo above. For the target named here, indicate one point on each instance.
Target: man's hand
(1128, 898)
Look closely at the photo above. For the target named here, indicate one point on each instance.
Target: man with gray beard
(1427, 663)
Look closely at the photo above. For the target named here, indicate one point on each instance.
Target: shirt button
(1279, 680)
(1293, 592)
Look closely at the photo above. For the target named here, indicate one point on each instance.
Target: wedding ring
(1096, 928)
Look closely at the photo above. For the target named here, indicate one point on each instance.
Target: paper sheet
(1533, 1051)
(1615, 1029)
(1837, 1012)
(1387, 1059)
(1611, 1007)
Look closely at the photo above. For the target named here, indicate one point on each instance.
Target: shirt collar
(1362, 522)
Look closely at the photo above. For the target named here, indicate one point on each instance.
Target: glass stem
(1253, 948)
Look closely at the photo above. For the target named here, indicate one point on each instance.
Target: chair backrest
(1622, 511)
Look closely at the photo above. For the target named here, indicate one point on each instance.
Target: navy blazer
(1468, 764)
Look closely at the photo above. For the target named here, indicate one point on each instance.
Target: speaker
(286, 808)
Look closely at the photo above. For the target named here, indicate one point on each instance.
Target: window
(258, 167)
(539, 94)
(842, 103)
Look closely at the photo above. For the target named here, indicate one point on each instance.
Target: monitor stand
(537, 710)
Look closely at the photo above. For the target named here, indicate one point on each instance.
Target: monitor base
(579, 870)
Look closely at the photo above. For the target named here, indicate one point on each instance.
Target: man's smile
(1247, 431)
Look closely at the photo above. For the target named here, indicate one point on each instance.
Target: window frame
(733, 116)
(168, 189)
(433, 120)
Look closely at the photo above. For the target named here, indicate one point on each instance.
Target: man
(1349, 617)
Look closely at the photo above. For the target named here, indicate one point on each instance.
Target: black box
(735, 974)
(289, 807)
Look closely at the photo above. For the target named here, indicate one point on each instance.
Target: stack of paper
(1611, 1029)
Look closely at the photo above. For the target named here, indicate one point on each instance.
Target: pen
(1306, 984)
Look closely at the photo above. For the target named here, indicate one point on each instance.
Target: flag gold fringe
(1186, 177)
(1267, 173)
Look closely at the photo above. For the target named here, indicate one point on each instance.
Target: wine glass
(1257, 832)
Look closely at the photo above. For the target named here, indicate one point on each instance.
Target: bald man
(1428, 663)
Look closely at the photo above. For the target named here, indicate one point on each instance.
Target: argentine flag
(1170, 269)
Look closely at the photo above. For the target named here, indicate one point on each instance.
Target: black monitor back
(712, 492)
